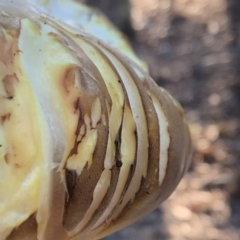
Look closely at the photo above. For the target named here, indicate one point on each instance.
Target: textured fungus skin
(88, 142)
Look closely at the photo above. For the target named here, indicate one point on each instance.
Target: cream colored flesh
(115, 118)
(128, 149)
(164, 138)
(82, 17)
(141, 126)
(116, 93)
(23, 136)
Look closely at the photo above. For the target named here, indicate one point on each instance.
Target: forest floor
(192, 48)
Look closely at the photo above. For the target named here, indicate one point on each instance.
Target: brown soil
(193, 50)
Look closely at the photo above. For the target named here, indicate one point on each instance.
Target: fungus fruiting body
(88, 142)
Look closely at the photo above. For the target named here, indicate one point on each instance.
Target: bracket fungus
(88, 142)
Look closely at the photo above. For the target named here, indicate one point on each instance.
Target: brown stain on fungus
(6, 158)
(9, 82)
(5, 117)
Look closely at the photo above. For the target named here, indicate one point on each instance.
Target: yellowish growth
(21, 155)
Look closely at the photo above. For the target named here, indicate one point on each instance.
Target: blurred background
(192, 48)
